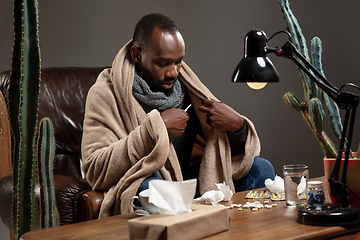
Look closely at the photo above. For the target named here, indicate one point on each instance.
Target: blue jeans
(145, 184)
(260, 170)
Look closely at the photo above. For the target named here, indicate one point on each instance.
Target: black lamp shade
(255, 66)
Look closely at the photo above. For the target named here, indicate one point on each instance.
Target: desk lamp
(256, 67)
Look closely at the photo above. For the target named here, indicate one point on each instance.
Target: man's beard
(167, 92)
(147, 77)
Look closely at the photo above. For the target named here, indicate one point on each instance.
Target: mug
(144, 200)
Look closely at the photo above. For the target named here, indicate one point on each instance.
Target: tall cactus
(45, 161)
(23, 108)
(312, 107)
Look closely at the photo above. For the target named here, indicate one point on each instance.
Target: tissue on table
(226, 190)
(301, 188)
(276, 186)
(213, 197)
(172, 198)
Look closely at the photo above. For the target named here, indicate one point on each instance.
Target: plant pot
(353, 178)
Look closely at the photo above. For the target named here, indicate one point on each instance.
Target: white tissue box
(203, 221)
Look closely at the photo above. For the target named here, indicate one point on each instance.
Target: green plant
(23, 106)
(312, 108)
(45, 161)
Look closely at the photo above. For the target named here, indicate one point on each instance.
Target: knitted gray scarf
(150, 100)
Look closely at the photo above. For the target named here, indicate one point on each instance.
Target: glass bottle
(315, 193)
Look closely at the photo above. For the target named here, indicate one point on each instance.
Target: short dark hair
(145, 28)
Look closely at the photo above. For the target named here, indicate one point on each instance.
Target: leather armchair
(62, 96)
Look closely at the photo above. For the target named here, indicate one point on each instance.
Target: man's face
(160, 64)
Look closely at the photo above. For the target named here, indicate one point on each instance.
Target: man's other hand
(175, 121)
(220, 116)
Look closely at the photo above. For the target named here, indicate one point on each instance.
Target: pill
(261, 194)
(254, 194)
(273, 196)
(266, 193)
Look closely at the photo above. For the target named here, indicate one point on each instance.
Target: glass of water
(296, 177)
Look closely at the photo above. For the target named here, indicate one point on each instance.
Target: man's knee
(264, 168)
(145, 184)
(260, 170)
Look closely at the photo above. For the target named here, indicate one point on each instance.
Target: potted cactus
(317, 104)
(49, 216)
(23, 109)
(23, 106)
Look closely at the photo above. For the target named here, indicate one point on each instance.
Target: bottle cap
(314, 184)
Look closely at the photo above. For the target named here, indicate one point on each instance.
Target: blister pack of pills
(265, 194)
(258, 194)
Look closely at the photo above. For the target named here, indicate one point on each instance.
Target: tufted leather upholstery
(62, 96)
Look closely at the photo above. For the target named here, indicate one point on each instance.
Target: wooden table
(275, 223)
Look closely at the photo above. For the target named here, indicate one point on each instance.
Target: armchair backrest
(5, 139)
(62, 97)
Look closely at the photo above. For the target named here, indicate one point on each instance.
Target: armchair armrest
(89, 205)
(75, 200)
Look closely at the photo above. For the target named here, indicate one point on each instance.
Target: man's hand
(175, 121)
(221, 116)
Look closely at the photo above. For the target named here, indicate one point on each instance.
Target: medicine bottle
(315, 193)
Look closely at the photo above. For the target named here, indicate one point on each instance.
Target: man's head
(158, 50)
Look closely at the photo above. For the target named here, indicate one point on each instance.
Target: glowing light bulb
(256, 85)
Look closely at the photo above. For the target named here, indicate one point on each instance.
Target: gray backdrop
(90, 33)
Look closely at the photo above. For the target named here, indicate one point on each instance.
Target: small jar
(315, 193)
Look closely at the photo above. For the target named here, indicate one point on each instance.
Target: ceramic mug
(144, 200)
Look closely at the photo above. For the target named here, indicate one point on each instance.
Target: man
(136, 127)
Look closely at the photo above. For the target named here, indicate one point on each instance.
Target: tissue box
(203, 221)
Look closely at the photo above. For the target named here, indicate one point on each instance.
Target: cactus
(45, 155)
(312, 107)
(23, 108)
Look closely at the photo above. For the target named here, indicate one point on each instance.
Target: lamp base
(328, 215)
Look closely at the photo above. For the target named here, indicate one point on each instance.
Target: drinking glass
(296, 177)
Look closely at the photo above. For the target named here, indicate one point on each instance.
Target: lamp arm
(289, 51)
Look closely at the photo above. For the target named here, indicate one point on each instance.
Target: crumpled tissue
(213, 197)
(173, 198)
(276, 186)
(301, 188)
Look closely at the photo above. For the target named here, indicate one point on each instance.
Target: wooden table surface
(275, 223)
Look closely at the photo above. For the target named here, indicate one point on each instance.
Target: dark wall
(90, 32)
